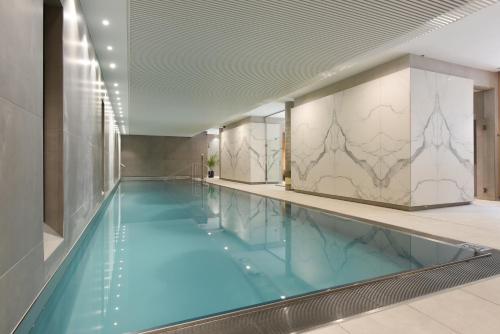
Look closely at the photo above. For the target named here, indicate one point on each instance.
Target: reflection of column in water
(220, 209)
(287, 224)
(202, 194)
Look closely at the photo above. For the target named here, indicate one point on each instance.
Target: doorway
(484, 144)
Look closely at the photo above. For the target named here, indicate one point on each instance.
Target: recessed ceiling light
(109, 47)
(105, 22)
(117, 92)
(115, 84)
(112, 65)
(118, 99)
(119, 103)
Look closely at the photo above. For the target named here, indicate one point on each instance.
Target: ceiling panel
(193, 64)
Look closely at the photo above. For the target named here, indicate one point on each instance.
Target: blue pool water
(166, 252)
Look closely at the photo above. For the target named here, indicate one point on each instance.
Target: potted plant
(211, 162)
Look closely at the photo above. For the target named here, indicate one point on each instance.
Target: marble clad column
(404, 139)
(356, 143)
(442, 152)
(243, 151)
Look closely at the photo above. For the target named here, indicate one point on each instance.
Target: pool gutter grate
(313, 310)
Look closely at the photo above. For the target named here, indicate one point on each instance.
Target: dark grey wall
(21, 158)
(23, 269)
(161, 156)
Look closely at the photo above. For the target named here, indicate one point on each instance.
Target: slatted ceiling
(196, 63)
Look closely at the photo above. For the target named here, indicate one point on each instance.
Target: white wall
(243, 152)
(274, 151)
(355, 143)
(402, 139)
(23, 270)
(442, 122)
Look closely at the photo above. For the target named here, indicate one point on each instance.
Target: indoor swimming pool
(165, 252)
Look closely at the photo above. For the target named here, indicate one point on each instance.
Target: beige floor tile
(329, 329)
(488, 289)
(399, 320)
(461, 311)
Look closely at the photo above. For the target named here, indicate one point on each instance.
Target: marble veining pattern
(442, 139)
(356, 143)
(317, 253)
(273, 159)
(257, 149)
(243, 153)
(403, 139)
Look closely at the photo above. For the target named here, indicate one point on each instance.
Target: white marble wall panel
(356, 143)
(243, 153)
(273, 136)
(403, 139)
(235, 153)
(442, 120)
(257, 152)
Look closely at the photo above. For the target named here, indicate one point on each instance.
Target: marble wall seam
(484, 80)
(243, 152)
(235, 153)
(404, 139)
(442, 153)
(355, 143)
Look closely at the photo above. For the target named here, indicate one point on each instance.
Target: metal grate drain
(327, 306)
